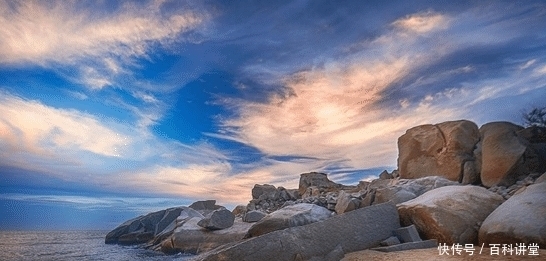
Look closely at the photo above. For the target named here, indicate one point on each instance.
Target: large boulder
(509, 153)
(269, 191)
(143, 228)
(326, 240)
(218, 219)
(521, 219)
(268, 198)
(290, 216)
(501, 153)
(444, 149)
(191, 238)
(451, 214)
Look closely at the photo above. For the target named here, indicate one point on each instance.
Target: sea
(72, 245)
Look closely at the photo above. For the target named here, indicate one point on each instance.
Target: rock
(451, 214)
(502, 153)
(239, 210)
(318, 180)
(346, 202)
(137, 237)
(390, 241)
(385, 175)
(408, 234)
(143, 228)
(218, 219)
(253, 216)
(353, 231)
(521, 219)
(203, 204)
(168, 218)
(407, 189)
(541, 179)
(291, 216)
(193, 239)
(267, 190)
(438, 150)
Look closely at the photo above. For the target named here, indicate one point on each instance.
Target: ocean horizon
(42, 245)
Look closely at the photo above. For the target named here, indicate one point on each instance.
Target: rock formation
(451, 214)
(452, 181)
(444, 149)
(356, 230)
(521, 219)
(291, 216)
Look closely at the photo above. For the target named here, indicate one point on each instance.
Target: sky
(113, 109)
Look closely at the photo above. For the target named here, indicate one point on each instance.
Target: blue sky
(111, 110)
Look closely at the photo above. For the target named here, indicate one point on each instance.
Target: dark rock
(390, 241)
(218, 219)
(267, 190)
(142, 228)
(204, 205)
(385, 175)
(408, 234)
(253, 216)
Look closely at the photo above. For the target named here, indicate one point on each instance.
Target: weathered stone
(137, 237)
(346, 202)
(239, 210)
(521, 219)
(140, 229)
(451, 214)
(390, 241)
(168, 218)
(541, 179)
(407, 189)
(218, 219)
(438, 150)
(193, 239)
(408, 246)
(502, 153)
(319, 180)
(267, 190)
(253, 216)
(291, 216)
(385, 175)
(408, 234)
(128, 226)
(353, 231)
(204, 205)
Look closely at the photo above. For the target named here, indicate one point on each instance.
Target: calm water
(70, 245)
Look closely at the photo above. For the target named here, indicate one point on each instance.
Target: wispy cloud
(422, 22)
(335, 112)
(61, 33)
(30, 126)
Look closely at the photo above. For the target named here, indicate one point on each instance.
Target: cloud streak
(101, 45)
